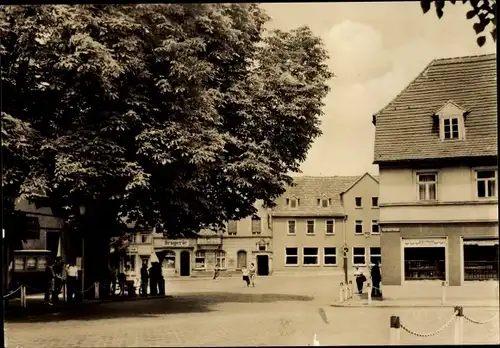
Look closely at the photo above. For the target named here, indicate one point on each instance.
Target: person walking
(216, 271)
(144, 279)
(71, 280)
(246, 275)
(376, 279)
(253, 274)
(360, 279)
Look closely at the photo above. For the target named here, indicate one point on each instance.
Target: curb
(376, 305)
(138, 298)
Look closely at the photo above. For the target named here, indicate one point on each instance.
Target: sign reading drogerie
(177, 243)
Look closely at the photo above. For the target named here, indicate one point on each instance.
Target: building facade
(243, 242)
(317, 218)
(436, 148)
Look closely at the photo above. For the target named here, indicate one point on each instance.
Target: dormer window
(324, 202)
(292, 202)
(451, 118)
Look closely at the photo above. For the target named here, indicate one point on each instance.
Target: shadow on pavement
(190, 303)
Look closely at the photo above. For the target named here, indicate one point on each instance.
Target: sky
(376, 49)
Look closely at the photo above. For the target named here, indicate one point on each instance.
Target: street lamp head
(82, 210)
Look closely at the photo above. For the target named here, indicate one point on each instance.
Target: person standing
(49, 283)
(144, 279)
(360, 279)
(376, 279)
(216, 271)
(253, 274)
(71, 280)
(246, 275)
(153, 281)
(58, 269)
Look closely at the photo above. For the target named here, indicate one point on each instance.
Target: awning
(482, 242)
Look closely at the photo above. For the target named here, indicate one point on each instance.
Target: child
(246, 275)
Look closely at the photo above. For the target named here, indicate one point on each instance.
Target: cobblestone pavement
(279, 311)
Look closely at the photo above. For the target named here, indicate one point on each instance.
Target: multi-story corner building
(243, 242)
(436, 148)
(318, 217)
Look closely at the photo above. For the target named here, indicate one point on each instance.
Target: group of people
(152, 277)
(249, 275)
(56, 275)
(376, 278)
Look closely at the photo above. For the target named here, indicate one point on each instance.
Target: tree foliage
(169, 114)
(484, 11)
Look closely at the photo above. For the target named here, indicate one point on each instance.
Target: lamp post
(82, 213)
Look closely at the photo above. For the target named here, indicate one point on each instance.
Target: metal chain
(12, 292)
(481, 322)
(32, 288)
(87, 289)
(430, 333)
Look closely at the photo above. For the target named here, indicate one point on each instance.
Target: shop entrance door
(185, 264)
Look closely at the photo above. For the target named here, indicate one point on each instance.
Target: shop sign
(424, 243)
(482, 242)
(209, 241)
(177, 243)
(390, 229)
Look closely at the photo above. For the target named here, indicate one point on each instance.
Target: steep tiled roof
(404, 128)
(310, 188)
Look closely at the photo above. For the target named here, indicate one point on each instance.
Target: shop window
(199, 259)
(241, 259)
(310, 256)
(220, 259)
(424, 263)
(256, 225)
(330, 226)
(291, 256)
(30, 262)
(358, 256)
(375, 255)
(42, 262)
(169, 259)
(330, 256)
(19, 263)
(310, 227)
(481, 260)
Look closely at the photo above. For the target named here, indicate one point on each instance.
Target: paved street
(279, 311)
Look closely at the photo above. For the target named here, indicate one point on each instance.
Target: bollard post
(369, 290)
(96, 290)
(341, 292)
(395, 331)
(351, 288)
(443, 293)
(23, 296)
(65, 292)
(459, 325)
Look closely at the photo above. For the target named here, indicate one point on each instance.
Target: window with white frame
(374, 202)
(232, 227)
(131, 238)
(310, 227)
(310, 256)
(358, 256)
(291, 226)
(358, 227)
(199, 259)
(375, 227)
(256, 224)
(359, 202)
(375, 255)
(292, 202)
(451, 128)
(427, 186)
(220, 259)
(330, 226)
(291, 256)
(486, 183)
(330, 256)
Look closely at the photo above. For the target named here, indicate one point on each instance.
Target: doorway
(262, 265)
(185, 264)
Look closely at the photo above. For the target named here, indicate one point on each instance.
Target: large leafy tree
(174, 115)
(484, 12)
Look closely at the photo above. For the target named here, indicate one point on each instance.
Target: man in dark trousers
(49, 282)
(58, 279)
(153, 280)
(71, 280)
(376, 279)
(144, 279)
